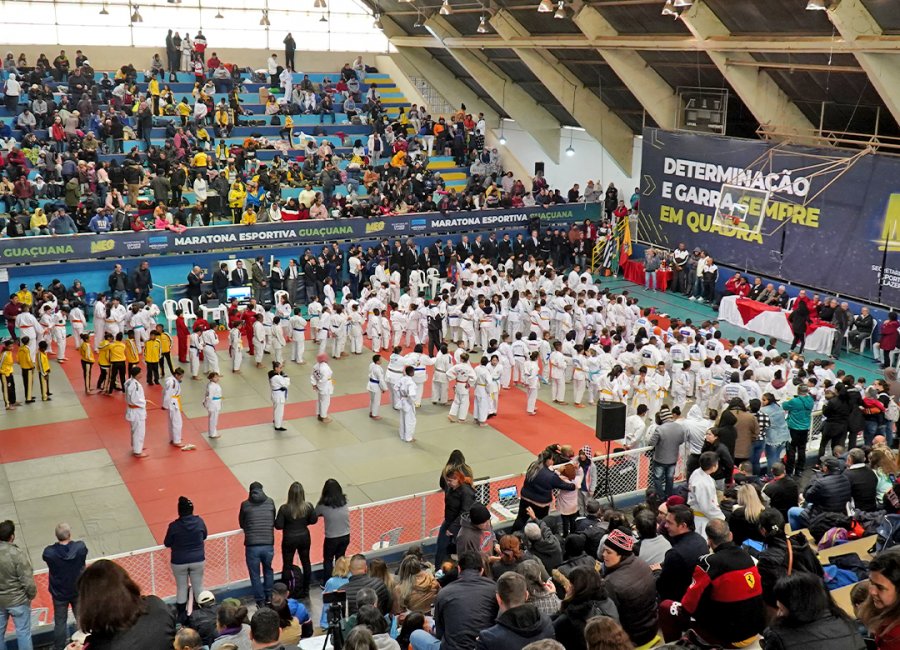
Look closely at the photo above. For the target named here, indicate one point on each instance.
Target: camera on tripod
(335, 604)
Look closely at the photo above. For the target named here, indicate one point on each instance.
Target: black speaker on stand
(610, 427)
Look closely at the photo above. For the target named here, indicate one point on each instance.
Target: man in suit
(220, 282)
(195, 287)
(292, 280)
(505, 248)
(533, 245)
(490, 248)
(463, 249)
(259, 279)
(239, 276)
(478, 248)
(409, 256)
(448, 253)
(436, 253)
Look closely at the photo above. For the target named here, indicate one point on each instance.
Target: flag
(626, 239)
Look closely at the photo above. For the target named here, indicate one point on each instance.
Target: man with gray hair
(65, 560)
(841, 320)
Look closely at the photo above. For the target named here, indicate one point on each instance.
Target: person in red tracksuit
(724, 603)
(182, 332)
(249, 317)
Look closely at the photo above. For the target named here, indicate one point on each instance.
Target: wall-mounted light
(560, 10)
(446, 9)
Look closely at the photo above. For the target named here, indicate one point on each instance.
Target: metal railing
(384, 524)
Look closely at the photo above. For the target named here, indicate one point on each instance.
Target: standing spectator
(118, 284)
(65, 562)
(257, 520)
(459, 495)
(290, 46)
(112, 611)
(537, 490)
(519, 622)
(799, 417)
(888, 341)
(294, 518)
(142, 282)
(17, 588)
(332, 507)
(666, 441)
(461, 610)
(195, 287)
(186, 536)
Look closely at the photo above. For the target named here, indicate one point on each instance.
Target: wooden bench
(859, 546)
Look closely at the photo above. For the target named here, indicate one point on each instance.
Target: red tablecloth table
(634, 272)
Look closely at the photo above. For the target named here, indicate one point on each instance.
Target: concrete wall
(113, 57)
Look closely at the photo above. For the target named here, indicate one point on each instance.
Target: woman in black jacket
(808, 618)
(537, 490)
(782, 555)
(586, 597)
(799, 321)
(459, 495)
(837, 414)
(294, 518)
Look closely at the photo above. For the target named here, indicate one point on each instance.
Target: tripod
(335, 614)
(609, 494)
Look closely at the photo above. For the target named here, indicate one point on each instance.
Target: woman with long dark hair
(332, 507)
(112, 611)
(881, 610)
(585, 599)
(808, 617)
(537, 490)
(782, 555)
(294, 518)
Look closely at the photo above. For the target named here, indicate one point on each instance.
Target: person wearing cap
(666, 441)
(631, 582)
(475, 531)
(203, 617)
(186, 538)
(322, 383)
(829, 492)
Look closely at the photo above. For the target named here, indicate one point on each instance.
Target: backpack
(824, 521)
(888, 533)
(295, 582)
(835, 577)
(833, 537)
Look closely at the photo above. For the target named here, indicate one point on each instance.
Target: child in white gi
(212, 402)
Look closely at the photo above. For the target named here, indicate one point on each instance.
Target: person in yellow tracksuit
(7, 383)
(152, 353)
(249, 217)
(26, 363)
(87, 361)
(237, 195)
(165, 351)
(132, 356)
(117, 363)
(103, 362)
(43, 369)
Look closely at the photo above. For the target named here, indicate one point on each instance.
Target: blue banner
(821, 217)
(215, 238)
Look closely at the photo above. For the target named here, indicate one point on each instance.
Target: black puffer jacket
(456, 502)
(633, 585)
(516, 628)
(826, 633)
(829, 493)
(257, 518)
(773, 562)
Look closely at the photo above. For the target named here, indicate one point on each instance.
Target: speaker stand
(609, 493)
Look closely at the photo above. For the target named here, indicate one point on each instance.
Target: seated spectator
(808, 617)
(782, 553)
(603, 633)
(511, 556)
(541, 590)
(519, 622)
(880, 612)
(543, 544)
(462, 609)
(232, 627)
(114, 614)
(782, 491)
(830, 492)
(188, 639)
(863, 481)
(575, 555)
(723, 603)
(203, 617)
(265, 630)
(416, 587)
(586, 598)
(862, 327)
(688, 547)
(631, 583)
(360, 579)
(650, 546)
(744, 519)
(289, 608)
(371, 618)
(592, 527)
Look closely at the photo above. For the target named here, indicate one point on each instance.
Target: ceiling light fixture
(323, 19)
(418, 22)
(669, 9)
(264, 21)
(377, 24)
(545, 7)
(560, 10)
(482, 26)
(817, 5)
(219, 14)
(104, 12)
(570, 150)
(681, 4)
(446, 9)
(136, 16)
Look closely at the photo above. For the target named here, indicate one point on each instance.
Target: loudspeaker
(610, 421)
(538, 168)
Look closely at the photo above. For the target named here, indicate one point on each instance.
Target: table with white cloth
(769, 320)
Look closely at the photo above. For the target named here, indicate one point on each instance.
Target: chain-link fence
(377, 526)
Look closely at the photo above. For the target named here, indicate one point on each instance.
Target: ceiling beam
(511, 97)
(769, 104)
(787, 43)
(651, 90)
(853, 22)
(589, 111)
(799, 67)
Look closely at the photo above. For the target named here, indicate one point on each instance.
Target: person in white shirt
(77, 319)
(323, 385)
(136, 411)
(558, 365)
(99, 321)
(356, 330)
(236, 346)
(440, 382)
(212, 402)
(259, 340)
(463, 375)
(210, 340)
(635, 427)
(482, 405)
(195, 345)
(531, 375)
(278, 385)
(171, 402)
(278, 341)
(408, 390)
(702, 497)
(376, 386)
(298, 336)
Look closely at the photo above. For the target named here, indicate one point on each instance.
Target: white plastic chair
(280, 293)
(434, 280)
(388, 539)
(169, 307)
(868, 339)
(187, 307)
(790, 303)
